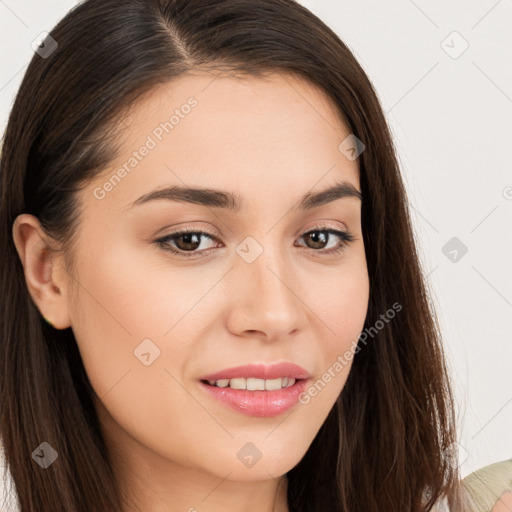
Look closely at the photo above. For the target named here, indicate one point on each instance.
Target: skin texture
(270, 141)
(504, 503)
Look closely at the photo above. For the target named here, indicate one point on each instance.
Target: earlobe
(45, 277)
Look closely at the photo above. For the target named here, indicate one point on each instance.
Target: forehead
(252, 134)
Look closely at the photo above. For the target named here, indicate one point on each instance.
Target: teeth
(272, 384)
(253, 384)
(237, 383)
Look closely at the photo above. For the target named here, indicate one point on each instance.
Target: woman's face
(256, 289)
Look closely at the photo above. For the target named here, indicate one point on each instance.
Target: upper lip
(261, 371)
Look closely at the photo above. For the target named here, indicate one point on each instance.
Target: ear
(46, 277)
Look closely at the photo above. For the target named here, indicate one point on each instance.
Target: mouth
(255, 397)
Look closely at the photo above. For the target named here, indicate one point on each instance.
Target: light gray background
(451, 116)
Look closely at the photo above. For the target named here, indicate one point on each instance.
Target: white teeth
(253, 384)
(237, 383)
(272, 384)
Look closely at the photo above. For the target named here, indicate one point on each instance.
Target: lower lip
(263, 404)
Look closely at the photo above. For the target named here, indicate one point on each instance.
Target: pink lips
(261, 371)
(259, 403)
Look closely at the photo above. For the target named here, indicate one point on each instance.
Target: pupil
(315, 235)
(188, 236)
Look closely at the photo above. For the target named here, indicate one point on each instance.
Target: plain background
(443, 74)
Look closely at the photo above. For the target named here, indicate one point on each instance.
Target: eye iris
(317, 234)
(186, 237)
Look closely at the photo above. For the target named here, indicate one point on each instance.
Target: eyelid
(324, 226)
(192, 229)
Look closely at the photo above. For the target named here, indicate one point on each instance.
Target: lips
(260, 371)
(262, 404)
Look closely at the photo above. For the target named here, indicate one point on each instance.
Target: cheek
(339, 299)
(134, 334)
(129, 310)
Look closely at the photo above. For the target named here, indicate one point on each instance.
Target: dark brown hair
(383, 445)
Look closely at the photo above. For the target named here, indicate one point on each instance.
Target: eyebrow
(232, 202)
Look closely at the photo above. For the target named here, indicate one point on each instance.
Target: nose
(265, 297)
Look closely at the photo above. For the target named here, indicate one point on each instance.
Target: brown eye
(191, 241)
(185, 243)
(318, 238)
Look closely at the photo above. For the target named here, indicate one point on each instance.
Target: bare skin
(269, 141)
(504, 503)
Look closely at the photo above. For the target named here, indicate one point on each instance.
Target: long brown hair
(383, 445)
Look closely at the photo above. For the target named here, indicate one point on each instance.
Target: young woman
(210, 292)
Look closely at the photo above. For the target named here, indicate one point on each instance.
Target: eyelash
(163, 242)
